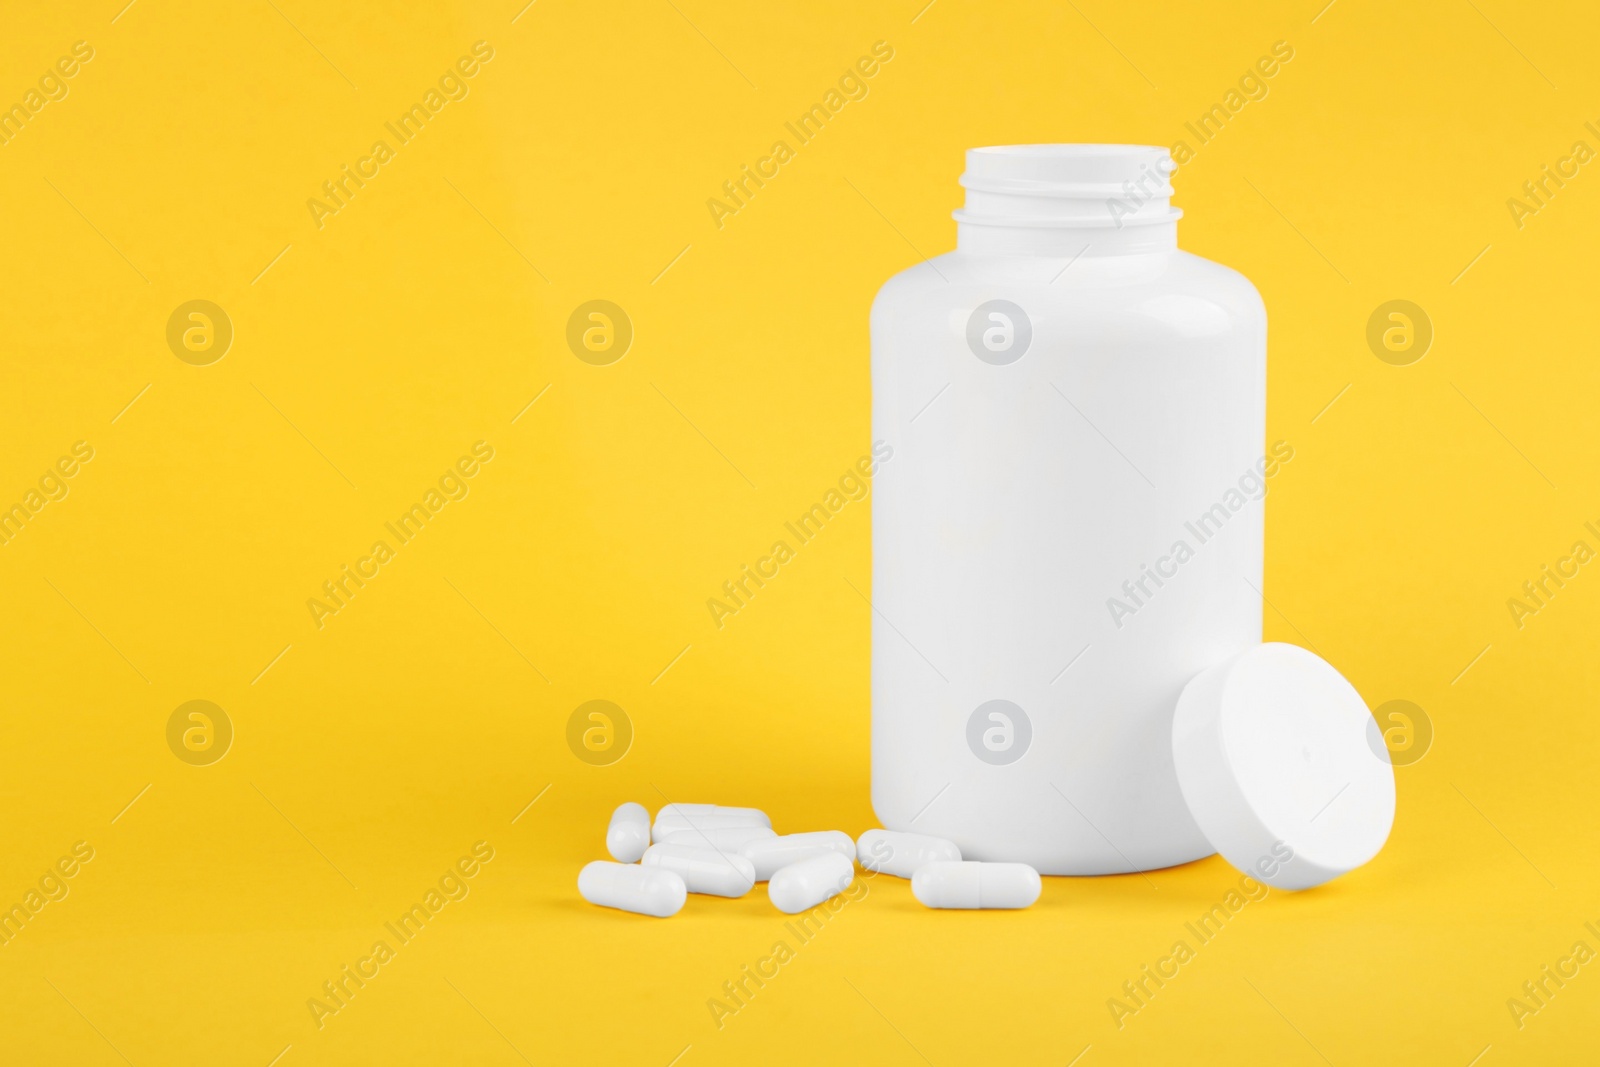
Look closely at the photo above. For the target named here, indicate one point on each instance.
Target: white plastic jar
(1071, 525)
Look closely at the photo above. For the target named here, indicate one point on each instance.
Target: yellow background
(429, 712)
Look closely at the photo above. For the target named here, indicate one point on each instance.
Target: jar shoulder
(1177, 289)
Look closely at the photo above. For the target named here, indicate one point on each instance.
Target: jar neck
(987, 239)
(1067, 200)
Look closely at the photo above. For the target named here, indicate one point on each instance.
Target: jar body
(1061, 540)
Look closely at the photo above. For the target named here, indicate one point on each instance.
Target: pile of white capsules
(724, 852)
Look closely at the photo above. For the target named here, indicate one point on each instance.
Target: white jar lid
(1273, 758)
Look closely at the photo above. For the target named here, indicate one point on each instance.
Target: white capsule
(688, 808)
(704, 870)
(629, 833)
(772, 853)
(630, 887)
(969, 884)
(670, 820)
(900, 854)
(803, 885)
(672, 812)
(727, 839)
